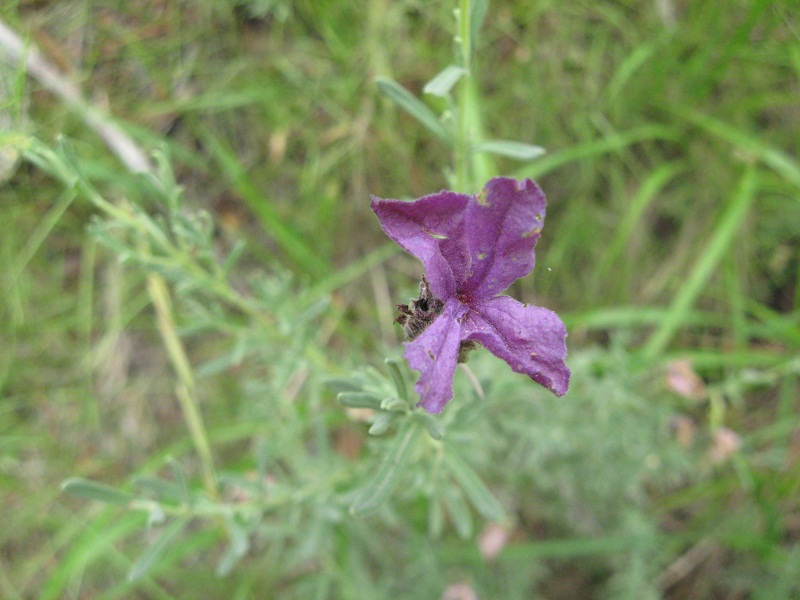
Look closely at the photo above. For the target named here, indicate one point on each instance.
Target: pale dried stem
(20, 53)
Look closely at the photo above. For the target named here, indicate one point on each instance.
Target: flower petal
(432, 229)
(435, 355)
(532, 340)
(503, 223)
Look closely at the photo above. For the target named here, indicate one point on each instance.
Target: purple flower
(473, 248)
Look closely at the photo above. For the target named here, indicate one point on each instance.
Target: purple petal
(503, 223)
(532, 340)
(432, 229)
(435, 355)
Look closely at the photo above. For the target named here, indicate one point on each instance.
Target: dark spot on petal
(430, 354)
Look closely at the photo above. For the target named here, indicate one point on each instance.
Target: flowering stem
(463, 167)
(471, 169)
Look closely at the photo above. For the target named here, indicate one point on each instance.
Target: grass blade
(290, 240)
(775, 159)
(638, 205)
(594, 148)
(477, 15)
(698, 278)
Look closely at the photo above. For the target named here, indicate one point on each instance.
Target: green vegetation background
(672, 234)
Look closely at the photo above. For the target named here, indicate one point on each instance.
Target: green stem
(186, 390)
(462, 167)
(465, 33)
(471, 169)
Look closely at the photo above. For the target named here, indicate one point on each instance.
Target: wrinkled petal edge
(531, 339)
(435, 355)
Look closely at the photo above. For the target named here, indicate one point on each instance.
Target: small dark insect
(419, 313)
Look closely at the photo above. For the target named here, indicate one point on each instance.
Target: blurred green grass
(673, 226)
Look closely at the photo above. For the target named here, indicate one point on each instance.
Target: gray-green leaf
(85, 488)
(444, 81)
(416, 108)
(153, 553)
(477, 492)
(376, 491)
(359, 400)
(515, 150)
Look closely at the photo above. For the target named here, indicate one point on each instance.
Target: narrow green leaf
(431, 423)
(729, 224)
(394, 405)
(150, 556)
(397, 378)
(477, 492)
(179, 474)
(516, 150)
(237, 548)
(85, 488)
(164, 491)
(382, 423)
(342, 384)
(458, 510)
(435, 518)
(417, 109)
(223, 361)
(234, 254)
(65, 150)
(376, 491)
(359, 400)
(444, 81)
